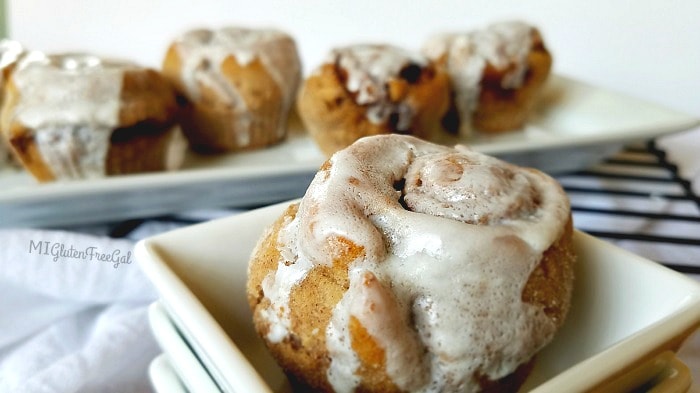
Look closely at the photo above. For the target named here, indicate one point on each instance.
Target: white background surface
(647, 48)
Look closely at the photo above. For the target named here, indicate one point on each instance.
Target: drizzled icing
(375, 306)
(203, 52)
(71, 103)
(441, 296)
(448, 186)
(502, 45)
(369, 68)
(10, 52)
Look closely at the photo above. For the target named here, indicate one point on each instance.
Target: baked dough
(410, 266)
(496, 75)
(10, 52)
(76, 116)
(363, 90)
(240, 84)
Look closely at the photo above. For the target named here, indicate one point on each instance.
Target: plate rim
(184, 362)
(163, 377)
(198, 319)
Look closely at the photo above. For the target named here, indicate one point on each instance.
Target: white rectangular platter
(575, 126)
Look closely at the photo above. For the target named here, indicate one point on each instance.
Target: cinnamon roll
(78, 116)
(10, 52)
(410, 266)
(496, 75)
(364, 90)
(240, 84)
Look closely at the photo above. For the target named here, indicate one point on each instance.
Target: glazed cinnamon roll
(410, 266)
(363, 90)
(76, 116)
(10, 52)
(496, 74)
(240, 84)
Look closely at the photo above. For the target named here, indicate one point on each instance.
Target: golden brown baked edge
(304, 356)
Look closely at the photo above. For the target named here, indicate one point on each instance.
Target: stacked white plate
(178, 369)
(163, 377)
(628, 316)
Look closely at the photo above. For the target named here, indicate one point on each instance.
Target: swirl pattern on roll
(438, 244)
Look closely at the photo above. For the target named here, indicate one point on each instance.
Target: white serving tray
(626, 311)
(575, 125)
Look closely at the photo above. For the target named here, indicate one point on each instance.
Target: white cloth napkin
(72, 314)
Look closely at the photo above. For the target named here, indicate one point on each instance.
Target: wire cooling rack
(638, 200)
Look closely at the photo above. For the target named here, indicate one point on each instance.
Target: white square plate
(181, 358)
(575, 126)
(625, 310)
(163, 377)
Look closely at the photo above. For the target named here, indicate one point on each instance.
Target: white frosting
(277, 288)
(466, 55)
(369, 68)
(342, 371)
(438, 185)
(204, 51)
(441, 296)
(74, 151)
(382, 316)
(10, 52)
(71, 102)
